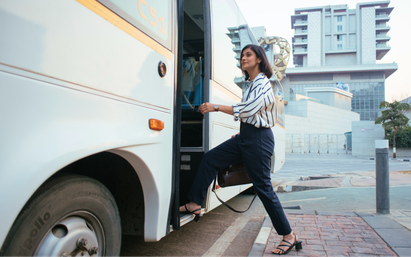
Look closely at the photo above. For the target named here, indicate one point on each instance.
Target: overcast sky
(275, 15)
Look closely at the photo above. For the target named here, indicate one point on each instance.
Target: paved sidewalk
(342, 233)
(339, 234)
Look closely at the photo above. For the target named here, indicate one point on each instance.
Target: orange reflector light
(217, 187)
(156, 124)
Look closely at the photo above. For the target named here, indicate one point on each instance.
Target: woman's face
(249, 60)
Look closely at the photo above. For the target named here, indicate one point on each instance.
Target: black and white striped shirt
(258, 104)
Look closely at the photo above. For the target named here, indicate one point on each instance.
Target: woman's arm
(209, 107)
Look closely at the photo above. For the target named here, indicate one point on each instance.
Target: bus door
(192, 86)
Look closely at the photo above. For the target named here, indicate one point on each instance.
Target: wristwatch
(216, 107)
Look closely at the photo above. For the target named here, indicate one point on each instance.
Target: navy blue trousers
(254, 147)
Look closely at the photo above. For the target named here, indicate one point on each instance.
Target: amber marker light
(156, 124)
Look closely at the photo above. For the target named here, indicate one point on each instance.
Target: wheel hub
(73, 236)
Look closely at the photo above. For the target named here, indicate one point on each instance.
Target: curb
(262, 238)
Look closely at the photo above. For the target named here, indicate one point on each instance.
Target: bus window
(230, 34)
(152, 17)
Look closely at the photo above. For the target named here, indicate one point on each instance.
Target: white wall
(314, 118)
(364, 134)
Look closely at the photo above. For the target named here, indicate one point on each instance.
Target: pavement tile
(338, 243)
(387, 251)
(314, 242)
(311, 253)
(362, 254)
(396, 237)
(337, 249)
(363, 245)
(351, 239)
(313, 247)
(402, 251)
(374, 240)
(381, 222)
(362, 250)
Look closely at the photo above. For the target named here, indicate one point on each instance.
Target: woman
(253, 146)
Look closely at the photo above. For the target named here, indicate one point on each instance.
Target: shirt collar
(259, 75)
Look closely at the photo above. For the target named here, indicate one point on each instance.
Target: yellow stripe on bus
(114, 19)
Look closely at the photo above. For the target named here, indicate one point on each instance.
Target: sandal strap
(280, 249)
(193, 212)
(285, 241)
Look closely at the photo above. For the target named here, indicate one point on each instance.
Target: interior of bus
(192, 96)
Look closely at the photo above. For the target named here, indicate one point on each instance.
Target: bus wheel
(69, 215)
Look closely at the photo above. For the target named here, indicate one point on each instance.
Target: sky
(275, 15)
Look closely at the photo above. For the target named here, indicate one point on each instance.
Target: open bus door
(191, 133)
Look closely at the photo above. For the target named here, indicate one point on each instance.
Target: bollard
(382, 177)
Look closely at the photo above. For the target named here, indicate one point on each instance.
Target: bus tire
(67, 215)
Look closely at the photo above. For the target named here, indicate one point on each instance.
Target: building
(334, 46)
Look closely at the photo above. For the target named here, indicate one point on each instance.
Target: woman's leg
(217, 158)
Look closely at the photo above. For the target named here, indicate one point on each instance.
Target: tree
(393, 117)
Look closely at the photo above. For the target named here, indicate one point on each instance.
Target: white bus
(100, 133)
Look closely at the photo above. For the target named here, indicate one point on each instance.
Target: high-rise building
(334, 46)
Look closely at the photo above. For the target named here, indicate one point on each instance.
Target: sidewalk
(342, 233)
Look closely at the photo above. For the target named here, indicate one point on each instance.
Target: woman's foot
(288, 242)
(191, 207)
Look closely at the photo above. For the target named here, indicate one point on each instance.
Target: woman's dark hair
(264, 66)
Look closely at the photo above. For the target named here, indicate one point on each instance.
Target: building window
(304, 20)
(304, 39)
(339, 46)
(339, 37)
(339, 18)
(339, 28)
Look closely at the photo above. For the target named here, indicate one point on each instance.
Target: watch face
(216, 106)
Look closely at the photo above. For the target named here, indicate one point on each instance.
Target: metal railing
(382, 45)
(315, 143)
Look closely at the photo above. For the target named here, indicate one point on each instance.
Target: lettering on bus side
(152, 17)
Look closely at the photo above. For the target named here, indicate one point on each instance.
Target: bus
(100, 133)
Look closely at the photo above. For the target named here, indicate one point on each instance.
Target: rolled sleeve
(236, 109)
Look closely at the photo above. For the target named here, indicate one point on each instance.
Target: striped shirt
(258, 104)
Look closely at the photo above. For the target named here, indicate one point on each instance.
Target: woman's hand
(235, 135)
(206, 107)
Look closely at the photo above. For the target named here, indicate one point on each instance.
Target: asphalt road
(346, 199)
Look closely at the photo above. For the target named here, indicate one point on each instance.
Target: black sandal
(197, 217)
(298, 246)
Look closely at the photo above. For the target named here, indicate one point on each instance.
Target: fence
(315, 143)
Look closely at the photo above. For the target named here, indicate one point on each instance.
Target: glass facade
(366, 96)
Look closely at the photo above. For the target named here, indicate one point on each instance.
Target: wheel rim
(76, 234)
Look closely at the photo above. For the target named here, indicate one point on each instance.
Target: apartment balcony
(336, 50)
(301, 32)
(382, 17)
(382, 37)
(300, 42)
(382, 27)
(381, 50)
(382, 46)
(300, 51)
(300, 23)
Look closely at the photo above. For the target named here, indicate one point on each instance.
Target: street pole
(382, 177)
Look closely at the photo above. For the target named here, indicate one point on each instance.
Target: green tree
(393, 117)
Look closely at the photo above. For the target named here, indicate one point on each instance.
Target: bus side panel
(65, 40)
(57, 126)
